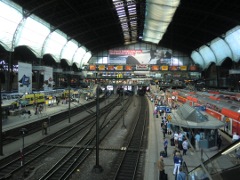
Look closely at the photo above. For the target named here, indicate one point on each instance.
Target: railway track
(9, 167)
(74, 158)
(129, 164)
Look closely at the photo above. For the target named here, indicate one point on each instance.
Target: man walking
(185, 147)
(165, 144)
(160, 165)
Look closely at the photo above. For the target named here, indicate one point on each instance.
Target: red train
(226, 110)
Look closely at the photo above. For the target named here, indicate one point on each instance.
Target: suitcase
(163, 154)
(165, 176)
(156, 115)
(172, 142)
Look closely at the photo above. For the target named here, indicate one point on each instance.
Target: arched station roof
(208, 31)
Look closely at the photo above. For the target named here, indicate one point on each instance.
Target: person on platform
(235, 137)
(160, 165)
(197, 139)
(177, 159)
(181, 175)
(44, 128)
(219, 142)
(165, 144)
(185, 147)
(180, 140)
(175, 136)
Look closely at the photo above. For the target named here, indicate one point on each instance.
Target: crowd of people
(179, 142)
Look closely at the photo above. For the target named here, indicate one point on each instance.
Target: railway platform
(156, 144)
(21, 120)
(155, 140)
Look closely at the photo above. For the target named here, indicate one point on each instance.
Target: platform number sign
(169, 117)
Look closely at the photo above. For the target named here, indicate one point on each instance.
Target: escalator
(224, 165)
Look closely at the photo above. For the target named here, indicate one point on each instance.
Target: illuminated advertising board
(142, 67)
(119, 68)
(155, 68)
(173, 68)
(183, 68)
(92, 67)
(193, 68)
(110, 67)
(101, 67)
(128, 68)
(164, 68)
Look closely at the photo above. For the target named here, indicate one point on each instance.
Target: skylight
(127, 13)
(158, 15)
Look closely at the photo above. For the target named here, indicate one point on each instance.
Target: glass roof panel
(33, 34)
(197, 58)
(86, 58)
(54, 44)
(10, 17)
(221, 50)
(79, 56)
(69, 51)
(128, 11)
(233, 39)
(207, 55)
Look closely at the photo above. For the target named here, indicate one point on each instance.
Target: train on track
(216, 104)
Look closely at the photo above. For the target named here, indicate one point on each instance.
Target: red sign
(173, 68)
(110, 67)
(128, 68)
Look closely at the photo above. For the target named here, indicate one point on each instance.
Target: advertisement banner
(155, 68)
(92, 67)
(119, 68)
(110, 68)
(101, 67)
(173, 68)
(142, 67)
(133, 57)
(193, 68)
(24, 78)
(164, 68)
(183, 68)
(48, 79)
(128, 68)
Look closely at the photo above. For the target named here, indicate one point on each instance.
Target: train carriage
(222, 109)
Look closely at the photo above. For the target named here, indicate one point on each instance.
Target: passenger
(175, 138)
(181, 175)
(235, 137)
(180, 140)
(169, 128)
(177, 159)
(29, 113)
(219, 142)
(44, 128)
(185, 147)
(164, 130)
(165, 145)
(160, 165)
(197, 139)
